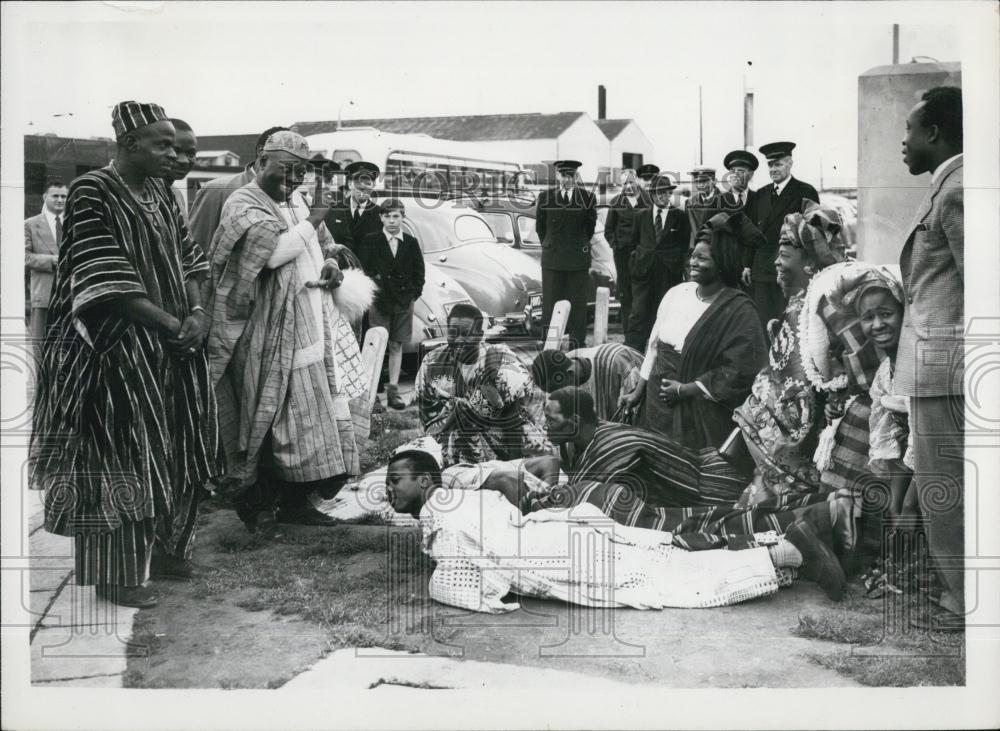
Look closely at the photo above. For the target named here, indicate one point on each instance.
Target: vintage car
(513, 224)
(430, 311)
(455, 239)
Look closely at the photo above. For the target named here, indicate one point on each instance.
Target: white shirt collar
(940, 168)
(390, 237)
(50, 216)
(780, 187)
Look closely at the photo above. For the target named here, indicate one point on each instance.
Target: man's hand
(191, 335)
(329, 278)
(632, 399)
(745, 278)
(319, 207)
(834, 408)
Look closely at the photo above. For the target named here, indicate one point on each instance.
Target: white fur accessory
(355, 294)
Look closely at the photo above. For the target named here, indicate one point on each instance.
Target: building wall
(630, 139)
(888, 195)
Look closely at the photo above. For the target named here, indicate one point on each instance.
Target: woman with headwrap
(706, 345)
(779, 420)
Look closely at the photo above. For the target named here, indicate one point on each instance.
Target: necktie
(565, 198)
(58, 230)
(775, 191)
(658, 225)
(357, 214)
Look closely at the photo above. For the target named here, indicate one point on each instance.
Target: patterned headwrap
(130, 116)
(817, 231)
(726, 234)
(830, 317)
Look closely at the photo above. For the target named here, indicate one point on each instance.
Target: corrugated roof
(480, 127)
(612, 127)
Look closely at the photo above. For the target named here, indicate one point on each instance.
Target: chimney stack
(602, 102)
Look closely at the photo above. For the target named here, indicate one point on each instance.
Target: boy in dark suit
(660, 248)
(355, 216)
(770, 206)
(394, 260)
(565, 219)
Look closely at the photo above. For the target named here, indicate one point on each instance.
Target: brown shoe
(171, 567)
(392, 398)
(819, 558)
(139, 597)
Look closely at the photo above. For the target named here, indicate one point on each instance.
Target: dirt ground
(259, 614)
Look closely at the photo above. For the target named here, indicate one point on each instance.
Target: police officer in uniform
(770, 206)
(705, 202)
(565, 219)
(646, 174)
(741, 166)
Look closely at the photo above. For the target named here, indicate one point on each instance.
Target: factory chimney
(602, 102)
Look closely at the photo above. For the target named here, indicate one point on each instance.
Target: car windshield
(501, 225)
(526, 225)
(472, 228)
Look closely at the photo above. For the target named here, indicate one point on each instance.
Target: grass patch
(885, 650)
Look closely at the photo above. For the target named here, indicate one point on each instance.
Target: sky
(232, 68)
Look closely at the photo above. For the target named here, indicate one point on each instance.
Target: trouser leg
(175, 534)
(114, 557)
(936, 426)
(768, 299)
(624, 285)
(550, 291)
(39, 320)
(643, 308)
(576, 284)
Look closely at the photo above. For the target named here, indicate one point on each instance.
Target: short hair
(574, 401)
(465, 309)
(392, 204)
(421, 462)
(550, 365)
(943, 109)
(54, 183)
(181, 125)
(266, 135)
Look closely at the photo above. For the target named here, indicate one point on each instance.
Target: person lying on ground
(484, 549)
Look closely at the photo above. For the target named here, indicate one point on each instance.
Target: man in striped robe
(125, 422)
(606, 372)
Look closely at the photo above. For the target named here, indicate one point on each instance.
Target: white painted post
(372, 355)
(601, 310)
(557, 326)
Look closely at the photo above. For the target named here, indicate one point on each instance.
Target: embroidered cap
(287, 141)
(130, 116)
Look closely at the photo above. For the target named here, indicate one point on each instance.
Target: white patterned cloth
(485, 549)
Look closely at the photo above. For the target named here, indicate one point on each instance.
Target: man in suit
(565, 219)
(357, 215)
(705, 202)
(930, 357)
(740, 166)
(660, 239)
(622, 213)
(186, 147)
(206, 211)
(646, 173)
(393, 259)
(770, 206)
(42, 236)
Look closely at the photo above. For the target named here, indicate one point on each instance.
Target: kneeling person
(393, 259)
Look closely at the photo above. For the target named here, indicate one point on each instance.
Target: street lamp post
(350, 103)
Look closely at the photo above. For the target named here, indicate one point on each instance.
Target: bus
(420, 165)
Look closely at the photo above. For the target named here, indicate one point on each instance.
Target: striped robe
(122, 426)
(614, 373)
(654, 468)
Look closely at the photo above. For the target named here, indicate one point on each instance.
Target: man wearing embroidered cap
(351, 220)
(770, 206)
(285, 363)
(565, 219)
(125, 421)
